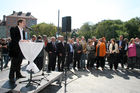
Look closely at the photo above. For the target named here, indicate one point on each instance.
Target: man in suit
(83, 56)
(121, 44)
(61, 53)
(138, 51)
(17, 34)
(77, 53)
(70, 52)
(52, 51)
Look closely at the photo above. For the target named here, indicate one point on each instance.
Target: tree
(133, 27)
(85, 30)
(44, 29)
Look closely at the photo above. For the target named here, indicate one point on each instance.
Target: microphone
(29, 28)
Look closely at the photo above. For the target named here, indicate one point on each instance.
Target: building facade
(11, 20)
(3, 31)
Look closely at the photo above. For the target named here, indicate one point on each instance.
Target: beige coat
(116, 48)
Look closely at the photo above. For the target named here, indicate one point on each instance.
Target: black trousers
(77, 58)
(15, 66)
(91, 60)
(113, 61)
(125, 58)
(121, 58)
(61, 60)
(138, 62)
(69, 59)
(52, 61)
(100, 62)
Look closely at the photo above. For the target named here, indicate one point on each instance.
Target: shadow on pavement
(51, 89)
(9, 85)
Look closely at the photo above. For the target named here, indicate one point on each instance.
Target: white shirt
(21, 32)
(93, 43)
(126, 47)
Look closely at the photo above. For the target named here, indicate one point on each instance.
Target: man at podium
(17, 34)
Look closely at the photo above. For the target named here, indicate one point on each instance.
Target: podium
(30, 51)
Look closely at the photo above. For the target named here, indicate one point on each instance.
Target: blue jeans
(5, 59)
(83, 58)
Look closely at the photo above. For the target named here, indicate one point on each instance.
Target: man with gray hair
(61, 47)
(52, 51)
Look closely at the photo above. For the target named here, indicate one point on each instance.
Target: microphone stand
(65, 66)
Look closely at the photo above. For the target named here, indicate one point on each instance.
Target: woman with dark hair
(113, 49)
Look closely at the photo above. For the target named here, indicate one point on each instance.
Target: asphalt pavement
(92, 81)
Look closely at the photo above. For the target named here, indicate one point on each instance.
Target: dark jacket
(123, 46)
(51, 48)
(14, 48)
(138, 50)
(76, 49)
(61, 48)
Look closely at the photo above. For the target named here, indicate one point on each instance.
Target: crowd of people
(76, 53)
(82, 55)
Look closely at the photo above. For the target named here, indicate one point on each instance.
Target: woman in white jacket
(113, 49)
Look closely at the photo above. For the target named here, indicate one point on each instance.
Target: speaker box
(66, 24)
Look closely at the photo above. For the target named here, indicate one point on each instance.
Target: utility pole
(58, 23)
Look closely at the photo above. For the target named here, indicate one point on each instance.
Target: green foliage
(106, 28)
(133, 27)
(112, 29)
(44, 29)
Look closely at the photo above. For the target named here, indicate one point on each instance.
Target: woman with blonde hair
(131, 54)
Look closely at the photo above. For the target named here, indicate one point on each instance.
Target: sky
(81, 11)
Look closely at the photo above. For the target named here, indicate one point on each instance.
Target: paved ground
(122, 81)
(95, 81)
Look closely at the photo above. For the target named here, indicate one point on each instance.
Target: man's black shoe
(11, 80)
(20, 77)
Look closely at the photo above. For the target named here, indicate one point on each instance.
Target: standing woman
(131, 54)
(100, 53)
(91, 54)
(113, 49)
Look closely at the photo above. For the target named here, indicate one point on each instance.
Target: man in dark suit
(70, 52)
(52, 51)
(121, 44)
(77, 53)
(61, 47)
(137, 52)
(17, 34)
